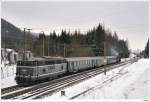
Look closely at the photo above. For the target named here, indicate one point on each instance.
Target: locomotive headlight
(105, 60)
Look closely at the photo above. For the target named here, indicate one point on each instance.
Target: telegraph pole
(43, 38)
(64, 50)
(105, 59)
(43, 46)
(48, 45)
(29, 33)
(25, 42)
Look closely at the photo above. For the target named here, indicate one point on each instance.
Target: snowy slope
(7, 70)
(132, 83)
(139, 89)
(7, 75)
(127, 86)
(7, 82)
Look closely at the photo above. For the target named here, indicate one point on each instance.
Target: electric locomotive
(38, 69)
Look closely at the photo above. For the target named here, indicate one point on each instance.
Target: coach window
(71, 64)
(61, 67)
(44, 70)
(74, 63)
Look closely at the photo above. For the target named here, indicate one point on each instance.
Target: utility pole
(6, 39)
(5, 45)
(55, 49)
(29, 33)
(24, 44)
(43, 37)
(5, 51)
(64, 50)
(43, 46)
(48, 45)
(105, 59)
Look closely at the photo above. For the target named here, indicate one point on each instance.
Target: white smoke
(113, 52)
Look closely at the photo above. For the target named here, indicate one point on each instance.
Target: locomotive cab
(25, 71)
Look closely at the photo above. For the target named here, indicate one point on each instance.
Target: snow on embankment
(8, 75)
(127, 86)
(139, 89)
(7, 70)
(9, 81)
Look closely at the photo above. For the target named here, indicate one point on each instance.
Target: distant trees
(114, 46)
(146, 51)
(68, 44)
(64, 37)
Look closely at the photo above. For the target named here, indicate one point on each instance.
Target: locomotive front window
(25, 71)
(44, 70)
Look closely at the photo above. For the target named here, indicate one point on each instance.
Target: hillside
(12, 36)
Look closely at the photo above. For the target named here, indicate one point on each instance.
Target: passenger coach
(81, 63)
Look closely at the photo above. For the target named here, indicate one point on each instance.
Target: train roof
(38, 61)
(86, 58)
(82, 58)
(48, 58)
(43, 59)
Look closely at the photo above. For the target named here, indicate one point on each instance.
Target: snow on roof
(82, 58)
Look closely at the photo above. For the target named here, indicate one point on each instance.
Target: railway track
(9, 89)
(17, 87)
(38, 91)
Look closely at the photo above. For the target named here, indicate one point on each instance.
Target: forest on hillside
(98, 41)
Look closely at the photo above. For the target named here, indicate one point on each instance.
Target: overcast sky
(128, 19)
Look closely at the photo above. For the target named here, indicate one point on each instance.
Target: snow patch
(128, 86)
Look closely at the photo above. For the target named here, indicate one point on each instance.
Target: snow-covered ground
(7, 82)
(7, 71)
(131, 82)
(7, 75)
